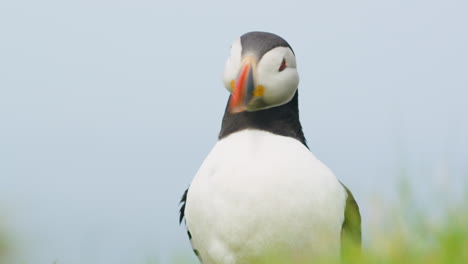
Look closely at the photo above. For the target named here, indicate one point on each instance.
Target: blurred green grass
(421, 241)
(6, 248)
(411, 231)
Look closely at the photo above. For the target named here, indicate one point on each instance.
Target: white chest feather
(259, 195)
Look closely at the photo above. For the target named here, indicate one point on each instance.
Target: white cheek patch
(232, 64)
(280, 86)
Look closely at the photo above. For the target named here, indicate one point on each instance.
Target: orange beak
(243, 89)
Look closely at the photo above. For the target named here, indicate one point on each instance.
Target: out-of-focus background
(107, 108)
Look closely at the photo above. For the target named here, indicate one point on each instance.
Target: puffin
(261, 196)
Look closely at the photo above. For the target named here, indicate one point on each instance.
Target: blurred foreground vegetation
(5, 244)
(418, 242)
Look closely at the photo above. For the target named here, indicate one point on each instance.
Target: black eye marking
(283, 65)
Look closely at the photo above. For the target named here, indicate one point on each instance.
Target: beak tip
(235, 110)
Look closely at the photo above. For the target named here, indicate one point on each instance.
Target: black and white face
(260, 72)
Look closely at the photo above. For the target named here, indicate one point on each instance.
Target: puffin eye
(282, 66)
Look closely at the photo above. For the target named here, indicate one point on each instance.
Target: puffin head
(260, 72)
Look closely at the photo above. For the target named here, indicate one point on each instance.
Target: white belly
(259, 196)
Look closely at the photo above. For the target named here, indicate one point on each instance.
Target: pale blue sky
(107, 108)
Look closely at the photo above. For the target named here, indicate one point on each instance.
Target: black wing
(351, 229)
(183, 200)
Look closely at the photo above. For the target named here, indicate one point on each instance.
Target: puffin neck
(282, 120)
